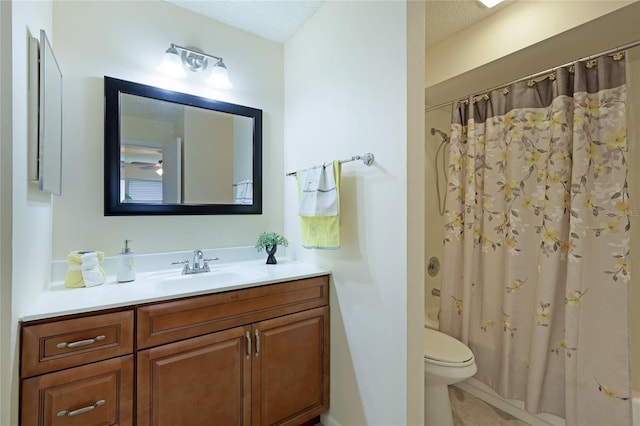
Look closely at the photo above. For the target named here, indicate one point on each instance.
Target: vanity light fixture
(178, 59)
(490, 3)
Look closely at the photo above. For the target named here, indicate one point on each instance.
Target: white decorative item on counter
(84, 269)
(126, 264)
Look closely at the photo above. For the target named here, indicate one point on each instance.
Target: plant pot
(271, 251)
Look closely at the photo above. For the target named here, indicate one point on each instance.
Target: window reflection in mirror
(172, 153)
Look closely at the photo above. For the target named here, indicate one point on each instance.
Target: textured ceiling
(277, 20)
(274, 20)
(446, 17)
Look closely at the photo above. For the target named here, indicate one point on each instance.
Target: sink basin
(217, 277)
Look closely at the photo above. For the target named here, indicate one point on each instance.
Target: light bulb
(172, 64)
(219, 77)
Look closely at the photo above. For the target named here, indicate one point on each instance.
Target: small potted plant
(270, 242)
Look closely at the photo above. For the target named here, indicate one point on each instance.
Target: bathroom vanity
(254, 355)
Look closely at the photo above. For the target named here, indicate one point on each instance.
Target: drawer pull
(80, 342)
(248, 337)
(66, 413)
(257, 343)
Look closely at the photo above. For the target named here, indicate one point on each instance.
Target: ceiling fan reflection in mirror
(157, 167)
(146, 158)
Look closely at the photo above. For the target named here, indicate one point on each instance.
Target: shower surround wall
(439, 119)
(434, 223)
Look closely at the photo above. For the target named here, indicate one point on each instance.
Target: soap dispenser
(126, 264)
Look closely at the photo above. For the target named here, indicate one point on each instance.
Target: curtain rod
(541, 73)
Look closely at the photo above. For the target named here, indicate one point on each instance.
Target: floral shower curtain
(537, 241)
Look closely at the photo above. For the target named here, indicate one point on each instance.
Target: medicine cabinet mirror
(45, 115)
(171, 153)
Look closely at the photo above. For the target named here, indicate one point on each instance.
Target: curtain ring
(618, 56)
(552, 76)
(505, 91)
(591, 64)
(531, 83)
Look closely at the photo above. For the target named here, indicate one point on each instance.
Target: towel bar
(367, 159)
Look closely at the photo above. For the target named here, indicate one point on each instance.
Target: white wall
(126, 40)
(347, 92)
(26, 212)
(633, 156)
(415, 211)
(6, 327)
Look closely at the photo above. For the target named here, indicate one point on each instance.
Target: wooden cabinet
(170, 321)
(290, 368)
(78, 371)
(275, 372)
(54, 345)
(256, 356)
(100, 393)
(204, 380)
(249, 357)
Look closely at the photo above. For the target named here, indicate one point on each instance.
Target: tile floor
(471, 411)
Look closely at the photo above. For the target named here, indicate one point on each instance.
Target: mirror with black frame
(171, 153)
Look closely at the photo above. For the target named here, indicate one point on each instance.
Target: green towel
(322, 232)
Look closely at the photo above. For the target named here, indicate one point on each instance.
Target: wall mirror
(45, 116)
(173, 153)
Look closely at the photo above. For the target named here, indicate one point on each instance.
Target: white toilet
(446, 361)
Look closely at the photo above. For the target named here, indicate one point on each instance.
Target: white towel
(244, 192)
(318, 191)
(90, 268)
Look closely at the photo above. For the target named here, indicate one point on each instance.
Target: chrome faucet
(200, 264)
(198, 260)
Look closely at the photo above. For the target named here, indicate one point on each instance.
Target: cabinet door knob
(80, 342)
(248, 337)
(67, 413)
(257, 342)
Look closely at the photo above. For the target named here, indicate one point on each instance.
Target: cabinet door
(97, 394)
(291, 368)
(204, 380)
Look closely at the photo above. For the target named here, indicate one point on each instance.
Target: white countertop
(163, 285)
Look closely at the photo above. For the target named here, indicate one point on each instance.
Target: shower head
(445, 137)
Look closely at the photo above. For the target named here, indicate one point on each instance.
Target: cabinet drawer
(171, 321)
(68, 343)
(96, 394)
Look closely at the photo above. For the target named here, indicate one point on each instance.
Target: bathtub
(512, 406)
(516, 408)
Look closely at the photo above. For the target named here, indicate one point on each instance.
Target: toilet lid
(444, 348)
